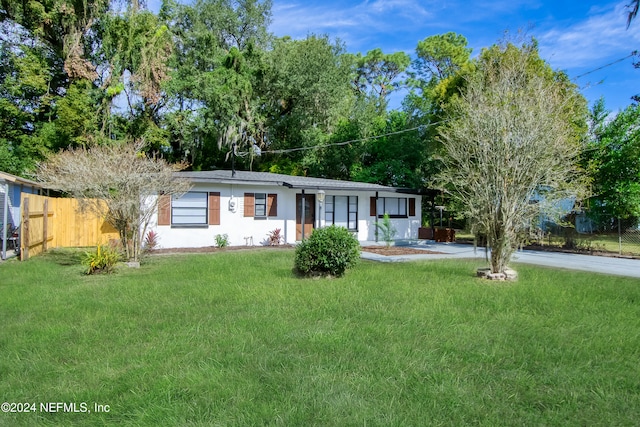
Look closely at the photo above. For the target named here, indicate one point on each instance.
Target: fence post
(24, 234)
(45, 234)
(619, 238)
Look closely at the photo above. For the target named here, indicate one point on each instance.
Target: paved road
(595, 264)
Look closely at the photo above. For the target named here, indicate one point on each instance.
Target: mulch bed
(212, 249)
(380, 250)
(397, 250)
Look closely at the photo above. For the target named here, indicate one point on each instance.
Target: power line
(635, 52)
(335, 144)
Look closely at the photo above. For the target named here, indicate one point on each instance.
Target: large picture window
(342, 211)
(189, 209)
(395, 207)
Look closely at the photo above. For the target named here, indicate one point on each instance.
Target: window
(396, 207)
(342, 211)
(189, 209)
(260, 205)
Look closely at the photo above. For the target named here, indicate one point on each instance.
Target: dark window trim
(348, 211)
(255, 206)
(395, 216)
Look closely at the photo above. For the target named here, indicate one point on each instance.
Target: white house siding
(407, 228)
(12, 202)
(243, 230)
(238, 228)
(3, 195)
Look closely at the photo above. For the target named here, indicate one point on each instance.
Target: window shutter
(272, 205)
(412, 206)
(249, 204)
(372, 206)
(164, 209)
(214, 208)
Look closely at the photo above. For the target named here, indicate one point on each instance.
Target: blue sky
(574, 36)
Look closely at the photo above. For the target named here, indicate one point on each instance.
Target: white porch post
(4, 220)
(320, 206)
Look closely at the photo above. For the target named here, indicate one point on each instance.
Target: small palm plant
(387, 229)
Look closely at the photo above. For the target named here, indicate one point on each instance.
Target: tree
(395, 159)
(633, 12)
(436, 72)
(31, 79)
(437, 75)
(60, 25)
(117, 182)
(613, 161)
(215, 83)
(306, 94)
(376, 73)
(512, 137)
(441, 56)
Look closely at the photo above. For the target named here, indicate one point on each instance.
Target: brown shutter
(249, 204)
(272, 205)
(412, 206)
(214, 208)
(164, 209)
(372, 206)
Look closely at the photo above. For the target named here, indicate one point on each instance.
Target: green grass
(235, 339)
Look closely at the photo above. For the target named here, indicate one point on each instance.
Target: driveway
(595, 264)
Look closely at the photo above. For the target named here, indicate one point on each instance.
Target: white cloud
(602, 36)
(355, 24)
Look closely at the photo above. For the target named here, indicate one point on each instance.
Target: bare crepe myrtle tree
(117, 182)
(511, 146)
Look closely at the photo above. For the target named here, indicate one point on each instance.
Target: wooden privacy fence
(51, 222)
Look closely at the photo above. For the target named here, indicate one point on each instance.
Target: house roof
(289, 181)
(7, 177)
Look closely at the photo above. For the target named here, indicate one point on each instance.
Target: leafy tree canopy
(613, 160)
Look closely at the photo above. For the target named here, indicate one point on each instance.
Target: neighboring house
(248, 206)
(11, 189)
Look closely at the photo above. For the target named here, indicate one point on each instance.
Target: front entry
(309, 214)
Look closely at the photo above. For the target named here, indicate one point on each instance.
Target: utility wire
(335, 144)
(634, 53)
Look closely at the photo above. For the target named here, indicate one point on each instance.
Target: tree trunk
(501, 247)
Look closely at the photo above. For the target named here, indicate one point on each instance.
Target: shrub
(275, 237)
(102, 260)
(329, 250)
(150, 242)
(222, 240)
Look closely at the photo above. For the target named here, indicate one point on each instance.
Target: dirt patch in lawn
(397, 250)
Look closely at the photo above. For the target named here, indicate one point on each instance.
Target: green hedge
(329, 250)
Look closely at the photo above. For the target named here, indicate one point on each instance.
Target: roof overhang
(288, 181)
(7, 177)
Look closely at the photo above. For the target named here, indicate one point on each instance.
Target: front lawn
(235, 339)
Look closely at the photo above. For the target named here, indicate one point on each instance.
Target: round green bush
(330, 250)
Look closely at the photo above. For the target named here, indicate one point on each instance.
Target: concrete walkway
(591, 263)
